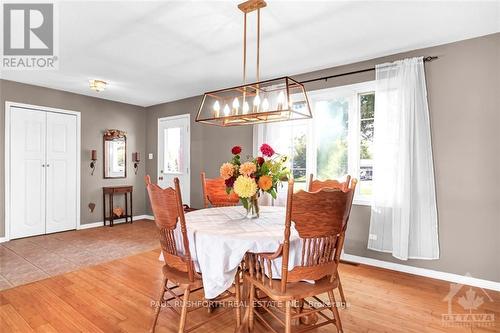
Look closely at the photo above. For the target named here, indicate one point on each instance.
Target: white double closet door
(43, 172)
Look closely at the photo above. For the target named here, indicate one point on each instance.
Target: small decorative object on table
(118, 211)
(258, 174)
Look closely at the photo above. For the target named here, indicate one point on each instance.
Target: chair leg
(185, 301)
(288, 317)
(335, 311)
(237, 292)
(341, 291)
(158, 304)
(251, 307)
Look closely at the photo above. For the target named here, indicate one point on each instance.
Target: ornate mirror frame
(113, 135)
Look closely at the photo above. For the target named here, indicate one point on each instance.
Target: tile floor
(34, 258)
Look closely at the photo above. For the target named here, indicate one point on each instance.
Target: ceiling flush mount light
(259, 102)
(97, 85)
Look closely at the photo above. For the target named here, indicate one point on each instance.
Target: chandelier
(259, 102)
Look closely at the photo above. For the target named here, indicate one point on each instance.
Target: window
(172, 148)
(336, 142)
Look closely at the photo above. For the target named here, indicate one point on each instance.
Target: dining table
(220, 237)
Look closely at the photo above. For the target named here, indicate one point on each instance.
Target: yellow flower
(226, 170)
(247, 168)
(245, 187)
(265, 182)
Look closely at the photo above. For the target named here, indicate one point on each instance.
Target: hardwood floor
(34, 258)
(116, 297)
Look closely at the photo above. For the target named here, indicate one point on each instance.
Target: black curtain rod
(426, 59)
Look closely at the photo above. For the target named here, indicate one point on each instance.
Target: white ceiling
(153, 52)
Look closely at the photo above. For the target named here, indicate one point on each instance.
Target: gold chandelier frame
(272, 100)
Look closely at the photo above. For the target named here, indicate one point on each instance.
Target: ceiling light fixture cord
(245, 49)
(258, 45)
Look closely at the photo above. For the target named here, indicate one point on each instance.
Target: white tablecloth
(220, 237)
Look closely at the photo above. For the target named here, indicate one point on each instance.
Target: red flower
(260, 160)
(230, 182)
(236, 150)
(266, 150)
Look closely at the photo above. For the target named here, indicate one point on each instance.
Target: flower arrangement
(250, 178)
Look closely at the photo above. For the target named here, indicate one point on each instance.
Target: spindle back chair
(214, 193)
(316, 185)
(179, 267)
(319, 218)
(168, 213)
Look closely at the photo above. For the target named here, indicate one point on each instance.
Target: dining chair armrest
(259, 264)
(272, 256)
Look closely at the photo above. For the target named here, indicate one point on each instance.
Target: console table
(111, 191)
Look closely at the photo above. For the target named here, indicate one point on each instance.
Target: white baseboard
(90, 225)
(145, 217)
(3, 239)
(117, 221)
(456, 278)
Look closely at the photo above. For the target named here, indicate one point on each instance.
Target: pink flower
(266, 150)
(236, 150)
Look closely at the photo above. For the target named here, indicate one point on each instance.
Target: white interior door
(174, 153)
(27, 172)
(61, 180)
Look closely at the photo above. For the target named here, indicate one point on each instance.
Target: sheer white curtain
(404, 214)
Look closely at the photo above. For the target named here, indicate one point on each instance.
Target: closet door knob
(48, 165)
(43, 165)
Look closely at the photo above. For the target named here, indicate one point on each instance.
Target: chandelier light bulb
(236, 103)
(245, 108)
(281, 100)
(256, 100)
(216, 109)
(265, 105)
(281, 97)
(256, 103)
(226, 110)
(216, 106)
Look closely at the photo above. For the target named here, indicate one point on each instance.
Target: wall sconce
(93, 157)
(136, 158)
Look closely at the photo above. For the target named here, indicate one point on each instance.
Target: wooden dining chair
(179, 267)
(319, 218)
(214, 193)
(316, 185)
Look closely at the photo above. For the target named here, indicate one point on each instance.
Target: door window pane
(172, 154)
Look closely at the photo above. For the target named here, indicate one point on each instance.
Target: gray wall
(464, 100)
(96, 116)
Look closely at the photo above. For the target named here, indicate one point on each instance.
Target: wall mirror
(115, 154)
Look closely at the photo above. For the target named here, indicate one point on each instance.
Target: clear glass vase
(253, 208)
